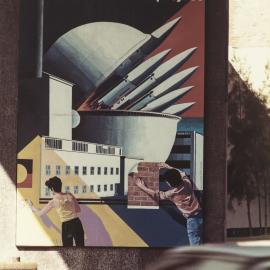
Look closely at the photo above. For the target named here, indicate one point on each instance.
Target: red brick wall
(149, 173)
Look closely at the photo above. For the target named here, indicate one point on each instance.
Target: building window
(98, 188)
(117, 171)
(67, 170)
(84, 189)
(76, 170)
(47, 191)
(67, 189)
(79, 146)
(111, 171)
(58, 170)
(84, 170)
(111, 187)
(105, 149)
(99, 149)
(105, 187)
(48, 170)
(91, 188)
(53, 143)
(92, 170)
(76, 189)
(111, 150)
(99, 170)
(105, 170)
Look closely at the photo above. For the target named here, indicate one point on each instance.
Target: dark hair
(54, 184)
(173, 177)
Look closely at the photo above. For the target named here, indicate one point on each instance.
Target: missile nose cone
(166, 52)
(178, 108)
(152, 62)
(190, 70)
(163, 30)
(167, 99)
(191, 50)
(193, 68)
(160, 56)
(174, 81)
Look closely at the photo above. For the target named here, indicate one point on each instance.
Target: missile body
(178, 108)
(146, 47)
(166, 86)
(133, 79)
(160, 74)
(164, 101)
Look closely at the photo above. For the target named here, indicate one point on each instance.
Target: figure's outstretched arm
(140, 183)
(42, 211)
(163, 165)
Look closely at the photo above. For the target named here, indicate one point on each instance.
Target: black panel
(145, 15)
(181, 149)
(33, 110)
(61, 16)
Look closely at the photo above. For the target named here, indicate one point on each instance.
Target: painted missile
(164, 30)
(133, 78)
(178, 108)
(161, 73)
(144, 48)
(166, 100)
(134, 57)
(166, 86)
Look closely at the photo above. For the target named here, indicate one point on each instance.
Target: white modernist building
(87, 170)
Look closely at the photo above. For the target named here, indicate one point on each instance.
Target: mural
(110, 123)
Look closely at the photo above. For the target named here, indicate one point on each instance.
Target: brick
(131, 189)
(153, 179)
(150, 185)
(153, 169)
(140, 169)
(149, 173)
(133, 203)
(136, 203)
(141, 198)
(149, 204)
(156, 174)
(143, 174)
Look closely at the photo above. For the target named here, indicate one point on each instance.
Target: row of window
(84, 170)
(102, 149)
(85, 189)
(52, 143)
(79, 146)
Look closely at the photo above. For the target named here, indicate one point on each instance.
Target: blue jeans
(194, 230)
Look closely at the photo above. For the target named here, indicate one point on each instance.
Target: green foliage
(249, 136)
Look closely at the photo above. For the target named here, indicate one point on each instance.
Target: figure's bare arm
(140, 183)
(44, 210)
(163, 165)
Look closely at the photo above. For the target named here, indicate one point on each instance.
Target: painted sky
(189, 33)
